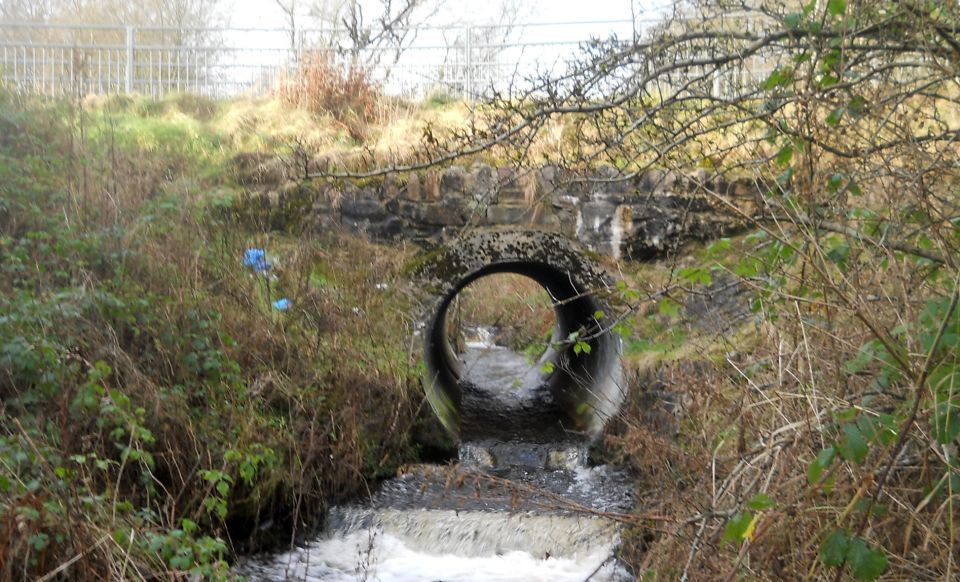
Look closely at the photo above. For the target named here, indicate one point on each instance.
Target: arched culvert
(588, 386)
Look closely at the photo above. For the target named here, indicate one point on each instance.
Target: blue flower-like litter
(256, 259)
(282, 304)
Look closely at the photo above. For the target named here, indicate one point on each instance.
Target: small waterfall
(522, 504)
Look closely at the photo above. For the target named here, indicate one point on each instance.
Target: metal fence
(470, 61)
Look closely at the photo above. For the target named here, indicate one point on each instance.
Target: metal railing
(469, 61)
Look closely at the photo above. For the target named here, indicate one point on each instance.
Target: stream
(522, 504)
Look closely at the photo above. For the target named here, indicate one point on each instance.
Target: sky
(266, 14)
(530, 47)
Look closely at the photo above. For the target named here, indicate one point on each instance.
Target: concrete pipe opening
(585, 384)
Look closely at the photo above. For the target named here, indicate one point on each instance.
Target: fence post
(468, 78)
(128, 85)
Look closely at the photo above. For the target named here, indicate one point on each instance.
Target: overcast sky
(264, 13)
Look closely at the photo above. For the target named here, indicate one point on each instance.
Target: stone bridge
(639, 218)
(544, 224)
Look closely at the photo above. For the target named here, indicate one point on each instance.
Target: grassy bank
(159, 410)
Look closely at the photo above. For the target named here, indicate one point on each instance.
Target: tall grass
(158, 412)
(322, 84)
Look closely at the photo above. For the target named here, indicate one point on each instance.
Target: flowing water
(523, 504)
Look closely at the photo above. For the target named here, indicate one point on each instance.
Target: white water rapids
(522, 505)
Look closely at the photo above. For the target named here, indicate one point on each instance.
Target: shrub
(322, 84)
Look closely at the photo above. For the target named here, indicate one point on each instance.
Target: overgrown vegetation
(154, 400)
(322, 85)
(161, 406)
(818, 439)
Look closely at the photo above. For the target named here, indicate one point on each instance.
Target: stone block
(413, 190)
(454, 180)
(508, 214)
(431, 186)
(450, 212)
(391, 186)
(483, 184)
(392, 228)
(363, 205)
(509, 187)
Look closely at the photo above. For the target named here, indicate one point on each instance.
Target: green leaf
(866, 563)
(39, 541)
(834, 550)
(792, 20)
(598, 314)
(737, 527)
(836, 7)
(836, 115)
(853, 447)
(945, 379)
(820, 464)
(772, 80)
(747, 267)
(669, 307)
(696, 275)
(857, 106)
(623, 329)
(881, 429)
(864, 356)
(761, 501)
(784, 156)
(718, 248)
(946, 422)
(839, 253)
(828, 80)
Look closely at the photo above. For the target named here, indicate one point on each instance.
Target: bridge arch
(589, 386)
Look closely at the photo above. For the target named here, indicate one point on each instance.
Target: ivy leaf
(836, 7)
(866, 563)
(834, 550)
(546, 368)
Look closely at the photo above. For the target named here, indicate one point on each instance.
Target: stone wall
(638, 218)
